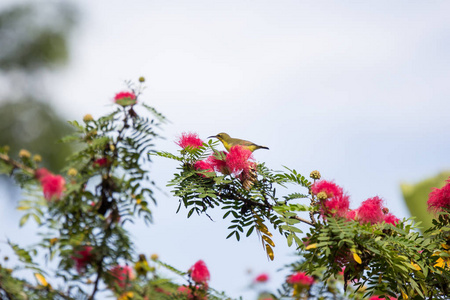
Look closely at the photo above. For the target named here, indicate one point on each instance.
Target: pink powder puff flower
(300, 278)
(238, 159)
(338, 206)
(199, 272)
(100, 162)
(203, 165)
(82, 258)
(351, 215)
(439, 199)
(262, 278)
(41, 173)
(391, 219)
(328, 187)
(378, 298)
(189, 139)
(218, 162)
(53, 186)
(371, 211)
(125, 98)
(122, 275)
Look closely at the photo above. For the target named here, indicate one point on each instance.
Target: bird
(229, 142)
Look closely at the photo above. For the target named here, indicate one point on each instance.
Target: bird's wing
(245, 143)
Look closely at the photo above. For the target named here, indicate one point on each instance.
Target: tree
(346, 253)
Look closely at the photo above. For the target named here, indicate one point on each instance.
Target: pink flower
(199, 272)
(237, 159)
(391, 219)
(197, 295)
(122, 275)
(82, 258)
(190, 140)
(328, 187)
(100, 162)
(351, 215)
(219, 164)
(125, 98)
(262, 278)
(300, 278)
(41, 173)
(338, 206)
(53, 186)
(203, 165)
(439, 199)
(378, 298)
(371, 211)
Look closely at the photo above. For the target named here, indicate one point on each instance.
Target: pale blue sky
(357, 90)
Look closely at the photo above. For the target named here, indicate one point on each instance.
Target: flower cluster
(335, 202)
(52, 185)
(121, 277)
(189, 140)
(262, 278)
(300, 282)
(125, 98)
(100, 162)
(238, 161)
(199, 273)
(82, 258)
(439, 199)
(300, 278)
(200, 276)
(372, 211)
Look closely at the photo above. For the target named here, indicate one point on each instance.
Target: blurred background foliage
(34, 40)
(416, 196)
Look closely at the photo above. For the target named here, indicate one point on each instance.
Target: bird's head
(221, 136)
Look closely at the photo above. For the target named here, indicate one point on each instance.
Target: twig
(16, 164)
(303, 220)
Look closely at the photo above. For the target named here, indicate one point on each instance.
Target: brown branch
(303, 220)
(16, 164)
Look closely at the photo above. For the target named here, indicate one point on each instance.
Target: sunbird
(229, 142)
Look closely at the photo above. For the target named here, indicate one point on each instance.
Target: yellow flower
(126, 296)
(37, 158)
(88, 118)
(24, 153)
(72, 172)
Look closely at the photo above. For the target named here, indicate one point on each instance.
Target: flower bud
(154, 256)
(24, 153)
(322, 196)
(87, 118)
(141, 79)
(315, 174)
(72, 172)
(37, 158)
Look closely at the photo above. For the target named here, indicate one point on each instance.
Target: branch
(16, 164)
(303, 220)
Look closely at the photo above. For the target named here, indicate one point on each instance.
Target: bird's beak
(214, 136)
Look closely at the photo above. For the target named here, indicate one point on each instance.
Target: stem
(303, 220)
(16, 164)
(104, 196)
